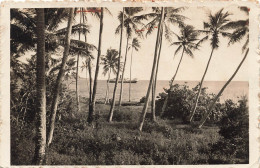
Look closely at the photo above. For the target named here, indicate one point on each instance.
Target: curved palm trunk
(201, 82)
(40, 146)
(130, 75)
(107, 91)
(155, 78)
(118, 71)
(123, 72)
(77, 74)
(144, 111)
(171, 84)
(92, 105)
(55, 98)
(221, 91)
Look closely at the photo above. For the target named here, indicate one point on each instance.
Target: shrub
(181, 100)
(234, 128)
(142, 100)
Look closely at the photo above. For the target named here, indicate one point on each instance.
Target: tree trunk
(90, 81)
(77, 73)
(107, 91)
(171, 84)
(87, 77)
(123, 72)
(92, 106)
(155, 78)
(221, 91)
(118, 71)
(144, 111)
(130, 75)
(55, 99)
(201, 82)
(39, 154)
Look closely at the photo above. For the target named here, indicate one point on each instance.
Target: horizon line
(183, 80)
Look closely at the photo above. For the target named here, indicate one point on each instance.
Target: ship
(127, 80)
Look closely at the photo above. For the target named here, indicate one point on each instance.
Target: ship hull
(112, 81)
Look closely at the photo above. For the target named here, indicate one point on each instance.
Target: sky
(223, 64)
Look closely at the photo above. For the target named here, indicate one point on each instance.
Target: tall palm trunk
(40, 146)
(57, 87)
(87, 81)
(201, 82)
(155, 78)
(144, 111)
(92, 107)
(77, 73)
(90, 81)
(118, 71)
(171, 84)
(130, 75)
(123, 72)
(211, 106)
(107, 91)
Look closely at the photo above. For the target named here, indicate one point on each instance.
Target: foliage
(119, 142)
(234, 128)
(23, 90)
(110, 61)
(180, 102)
(187, 40)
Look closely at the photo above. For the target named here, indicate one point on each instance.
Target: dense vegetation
(170, 140)
(53, 125)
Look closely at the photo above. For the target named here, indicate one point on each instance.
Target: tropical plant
(234, 130)
(117, 75)
(59, 78)
(187, 42)
(41, 91)
(144, 111)
(93, 101)
(216, 26)
(171, 16)
(241, 30)
(134, 45)
(109, 62)
(131, 23)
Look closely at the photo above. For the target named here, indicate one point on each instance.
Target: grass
(117, 143)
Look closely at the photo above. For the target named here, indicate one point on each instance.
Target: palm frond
(177, 50)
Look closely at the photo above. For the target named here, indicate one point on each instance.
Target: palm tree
(131, 22)
(118, 67)
(39, 153)
(142, 117)
(217, 25)
(60, 77)
(187, 43)
(93, 101)
(109, 62)
(135, 45)
(171, 16)
(241, 30)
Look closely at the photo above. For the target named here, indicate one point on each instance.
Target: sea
(235, 90)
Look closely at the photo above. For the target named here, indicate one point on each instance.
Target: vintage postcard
(130, 83)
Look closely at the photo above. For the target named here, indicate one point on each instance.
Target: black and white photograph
(130, 85)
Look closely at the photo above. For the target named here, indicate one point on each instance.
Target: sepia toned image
(130, 85)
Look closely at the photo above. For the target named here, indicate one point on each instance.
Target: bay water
(235, 90)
